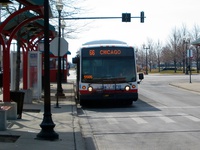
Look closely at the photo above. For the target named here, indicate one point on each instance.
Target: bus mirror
(141, 76)
(75, 60)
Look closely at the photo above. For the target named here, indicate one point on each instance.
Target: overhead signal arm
(126, 17)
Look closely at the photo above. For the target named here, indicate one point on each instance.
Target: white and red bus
(106, 70)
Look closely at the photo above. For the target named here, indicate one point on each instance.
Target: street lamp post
(59, 7)
(63, 62)
(146, 48)
(190, 65)
(63, 25)
(186, 40)
(47, 125)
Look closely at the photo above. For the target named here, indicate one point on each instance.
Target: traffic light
(142, 16)
(126, 17)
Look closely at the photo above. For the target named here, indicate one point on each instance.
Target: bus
(106, 70)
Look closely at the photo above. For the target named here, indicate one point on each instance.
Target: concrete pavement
(21, 133)
(194, 86)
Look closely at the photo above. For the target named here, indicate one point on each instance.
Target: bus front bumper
(107, 96)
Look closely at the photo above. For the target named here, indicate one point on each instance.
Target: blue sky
(162, 16)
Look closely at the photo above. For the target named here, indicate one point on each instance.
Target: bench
(5, 107)
(3, 117)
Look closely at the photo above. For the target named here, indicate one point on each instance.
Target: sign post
(190, 55)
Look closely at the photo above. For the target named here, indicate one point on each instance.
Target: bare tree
(183, 45)
(152, 56)
(195, 34)
(141, 58)
(71, 9)
(158, 53)
(166, 56)
(174, 44)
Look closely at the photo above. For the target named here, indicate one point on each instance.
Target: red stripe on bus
(108, 91)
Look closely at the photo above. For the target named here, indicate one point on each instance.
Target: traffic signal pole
(126, 17)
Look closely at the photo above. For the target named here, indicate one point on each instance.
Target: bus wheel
(82, 102)
(129, 102)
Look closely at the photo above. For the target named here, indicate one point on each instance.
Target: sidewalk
(195, 87)
(21, 133)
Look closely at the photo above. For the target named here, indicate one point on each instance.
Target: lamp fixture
(5, 2)
(59, 5)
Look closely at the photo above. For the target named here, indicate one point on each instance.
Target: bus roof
(105, 42)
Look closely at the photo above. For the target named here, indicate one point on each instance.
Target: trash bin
(1, 80)
(18, 97)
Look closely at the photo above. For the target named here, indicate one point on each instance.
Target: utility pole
(146, 48)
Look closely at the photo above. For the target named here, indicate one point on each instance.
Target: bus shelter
(196, 42)
(26, 27)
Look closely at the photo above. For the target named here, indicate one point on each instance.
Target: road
(165, 117)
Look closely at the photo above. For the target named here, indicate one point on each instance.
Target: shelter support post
(6, 75)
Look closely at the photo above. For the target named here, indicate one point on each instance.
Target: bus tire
(129, 102)
(82, 102)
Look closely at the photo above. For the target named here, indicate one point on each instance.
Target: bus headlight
(127, 88)
(90, 89)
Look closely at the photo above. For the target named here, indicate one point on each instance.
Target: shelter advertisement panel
(35, 74)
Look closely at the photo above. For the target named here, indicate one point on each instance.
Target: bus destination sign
(105, 52)
(90, 52)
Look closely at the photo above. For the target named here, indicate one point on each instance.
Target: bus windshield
(112, 69)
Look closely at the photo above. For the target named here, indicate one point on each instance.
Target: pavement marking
(111, 120)
(138, 120)
(193, 118)
(177, 107)
(164, 118)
